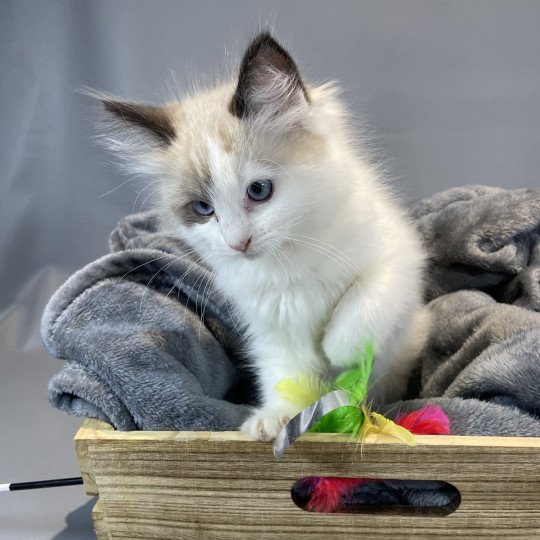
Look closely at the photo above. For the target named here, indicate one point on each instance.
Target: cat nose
(242, 245)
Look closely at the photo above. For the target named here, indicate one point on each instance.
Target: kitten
(265, 180)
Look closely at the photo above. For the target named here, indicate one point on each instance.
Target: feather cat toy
(340, 407)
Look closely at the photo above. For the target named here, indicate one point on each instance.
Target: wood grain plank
(223, 485)
(90, 426)
(100, 524)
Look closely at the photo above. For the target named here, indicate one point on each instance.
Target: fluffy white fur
(333, 260)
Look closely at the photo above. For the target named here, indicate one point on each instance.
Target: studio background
(450, 91)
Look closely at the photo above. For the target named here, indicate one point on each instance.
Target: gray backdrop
(450, 90)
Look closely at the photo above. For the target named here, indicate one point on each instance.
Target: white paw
(265, 424)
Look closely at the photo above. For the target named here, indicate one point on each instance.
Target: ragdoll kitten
(264, 179)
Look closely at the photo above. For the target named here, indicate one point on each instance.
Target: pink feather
(429, 420)
(329, 492)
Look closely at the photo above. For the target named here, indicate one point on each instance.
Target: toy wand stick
(57, 482)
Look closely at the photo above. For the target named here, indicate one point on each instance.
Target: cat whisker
(209, 285)
(279, 261)
(345, 262)
(292, 223)
(143, 264)
(151, 194)
(328, 254)
(280, 251)
(147, 286)
(205, 303)
(130, 179)
(234, 317)
(326, 244)
(197, 301)
(191, 267)
(200, 277)
(142, 191)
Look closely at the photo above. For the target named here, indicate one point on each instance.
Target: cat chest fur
(295, 308)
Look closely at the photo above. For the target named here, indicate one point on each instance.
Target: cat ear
(269, 83)
(155, 121)
(136, 133)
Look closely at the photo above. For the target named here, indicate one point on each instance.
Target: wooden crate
(224, 486)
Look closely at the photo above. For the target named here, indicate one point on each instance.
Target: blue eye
(202, 208)
(260, 190)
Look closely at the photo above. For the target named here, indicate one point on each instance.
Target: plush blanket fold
(148, 344)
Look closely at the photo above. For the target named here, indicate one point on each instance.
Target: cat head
(245, 165)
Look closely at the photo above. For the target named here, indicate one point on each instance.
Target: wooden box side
(100, 524)
(222, 485)
(90, 429)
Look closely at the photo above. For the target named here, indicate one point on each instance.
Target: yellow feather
(302, 391)
(375, 424)
(388, 427)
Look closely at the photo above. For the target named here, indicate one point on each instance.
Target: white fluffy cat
(263, 178)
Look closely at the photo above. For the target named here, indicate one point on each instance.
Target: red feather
(329, 492)
(429, 420)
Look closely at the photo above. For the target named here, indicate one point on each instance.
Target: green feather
(355, 381)
(347, 419)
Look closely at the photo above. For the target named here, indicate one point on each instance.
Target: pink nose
(242, 245)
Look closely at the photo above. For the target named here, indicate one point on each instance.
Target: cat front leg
(275, 363)
(383, 308)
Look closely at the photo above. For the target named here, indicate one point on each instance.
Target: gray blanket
(147, 344)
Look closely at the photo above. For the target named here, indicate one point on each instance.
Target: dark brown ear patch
(150, 117)
(263, 56)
